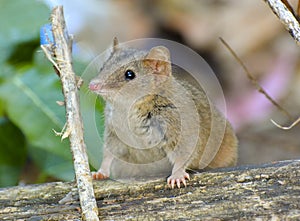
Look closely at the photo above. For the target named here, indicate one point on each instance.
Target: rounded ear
(158, 59)
(115, 44)
(159, 53)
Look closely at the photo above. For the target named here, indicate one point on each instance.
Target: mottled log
(269, 191)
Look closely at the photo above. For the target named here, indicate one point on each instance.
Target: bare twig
(290, 19)
(286, 17)
(63, 63)
(286, 127)
(254, 80)
(289, 7)
(298, 10)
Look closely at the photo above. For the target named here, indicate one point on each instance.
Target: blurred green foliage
(29, 89)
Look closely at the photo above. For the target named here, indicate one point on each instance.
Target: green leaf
(29, 98)
(52, 164)
(23, 52)
(12, 153)
(25, 18)
(1, 108)
(20, 21)
(93, 119)
(92, 112)
(30, 104)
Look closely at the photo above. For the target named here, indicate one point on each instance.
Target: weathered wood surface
(270, 191)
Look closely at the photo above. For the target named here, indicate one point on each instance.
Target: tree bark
(269, 191)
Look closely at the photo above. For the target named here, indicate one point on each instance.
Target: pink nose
(94, 86)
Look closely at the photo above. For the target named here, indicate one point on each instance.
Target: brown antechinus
(157, 121)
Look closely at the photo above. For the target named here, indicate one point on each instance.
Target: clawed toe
(178, 178)
(99, 176)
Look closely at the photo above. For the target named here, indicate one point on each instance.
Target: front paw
(99, 175)
(178, 177)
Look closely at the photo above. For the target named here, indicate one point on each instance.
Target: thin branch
(287, 127)
(286, 17)
(290, 19)
(298, 10)
(289, 7)
(60, 54)
(254, 80)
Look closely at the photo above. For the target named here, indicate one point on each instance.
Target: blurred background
(29, 150)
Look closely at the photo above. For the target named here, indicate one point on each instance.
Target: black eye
(129, 75)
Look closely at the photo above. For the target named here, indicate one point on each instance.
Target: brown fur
(156, 118)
